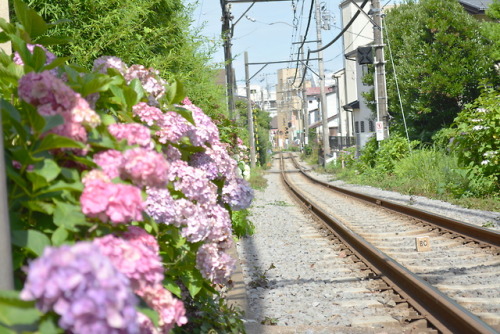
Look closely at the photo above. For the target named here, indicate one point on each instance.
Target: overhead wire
(303, 41)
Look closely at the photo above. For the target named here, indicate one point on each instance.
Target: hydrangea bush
(121, 193)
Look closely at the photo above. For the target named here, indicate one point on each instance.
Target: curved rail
(441, 311)
(480, 235)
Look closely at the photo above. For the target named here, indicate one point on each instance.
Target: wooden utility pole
(6, 271)
(380, 83)
(324, 107)
(249, 114)
(227, 34)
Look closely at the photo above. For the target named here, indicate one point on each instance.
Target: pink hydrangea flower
(173, 127)
(102, 64)
(137, 235)
(133, 133)
(119, 203)
(214, 264)
(83, 114)
(51, 96)
(147, 114)
(110, 161)
(149, 78)
(93, 175)
(126, 204)
(170, 310)
(135, 260)
(192, 182)
(145, 167)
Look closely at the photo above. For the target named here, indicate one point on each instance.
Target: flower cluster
(81, 285)
(214, 263)
(133, 133)
(191, 183)
(118, 203)
(135, 260)
(102, 64)
(150, 80)
(171, 310)
(51, 96)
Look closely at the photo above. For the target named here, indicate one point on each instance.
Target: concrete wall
(4, 13)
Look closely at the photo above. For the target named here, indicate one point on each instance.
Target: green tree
(262, 125)
(440, 56)
(491, 29)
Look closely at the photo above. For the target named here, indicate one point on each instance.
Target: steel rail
(479, 234)
(442, 312)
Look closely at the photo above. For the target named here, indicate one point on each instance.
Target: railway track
(455, 285)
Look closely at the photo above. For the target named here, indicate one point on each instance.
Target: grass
(428, 173)
(257, 180)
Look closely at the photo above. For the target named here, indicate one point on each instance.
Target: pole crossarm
(275, 62)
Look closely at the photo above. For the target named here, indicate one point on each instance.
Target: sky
(267, 32)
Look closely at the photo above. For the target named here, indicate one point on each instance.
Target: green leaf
(33, 240)
(107, 119)
(59, 236)
(175, 92)
(68, 215)
(54, 40)
(49, 170)
(193, 282)
(52, 121)
(14, 311)
(119, 96)
(40, 206)
(94, 83)
(6, 26)
(187, 114)
(38, 58)
(151, 314)
(29, 18)
(37, 180)
(56, 63)
(173, 287)
(136, 85)
(53, 141)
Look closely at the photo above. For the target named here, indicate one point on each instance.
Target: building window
(362, 126)
(370, 126)
(356, 127)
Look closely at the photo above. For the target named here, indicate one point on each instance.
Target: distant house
(476, 8)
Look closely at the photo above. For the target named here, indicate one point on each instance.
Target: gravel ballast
(290, 274)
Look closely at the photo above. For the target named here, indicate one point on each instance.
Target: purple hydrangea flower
(81, 285)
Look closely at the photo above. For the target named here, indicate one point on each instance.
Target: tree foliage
(154, 33)
(491, 28)
(440, 56)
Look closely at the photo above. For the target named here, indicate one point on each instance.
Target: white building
(359, 34)
(263, 98)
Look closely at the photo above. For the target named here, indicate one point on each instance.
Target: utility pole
(324, 108)
(249, 114)
(6, 271)
(305, 138)
(227, 34)
(380, 83)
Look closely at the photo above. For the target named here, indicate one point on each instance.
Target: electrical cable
(303, 41)
(397, 87)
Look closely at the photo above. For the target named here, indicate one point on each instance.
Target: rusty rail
(442, 312)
